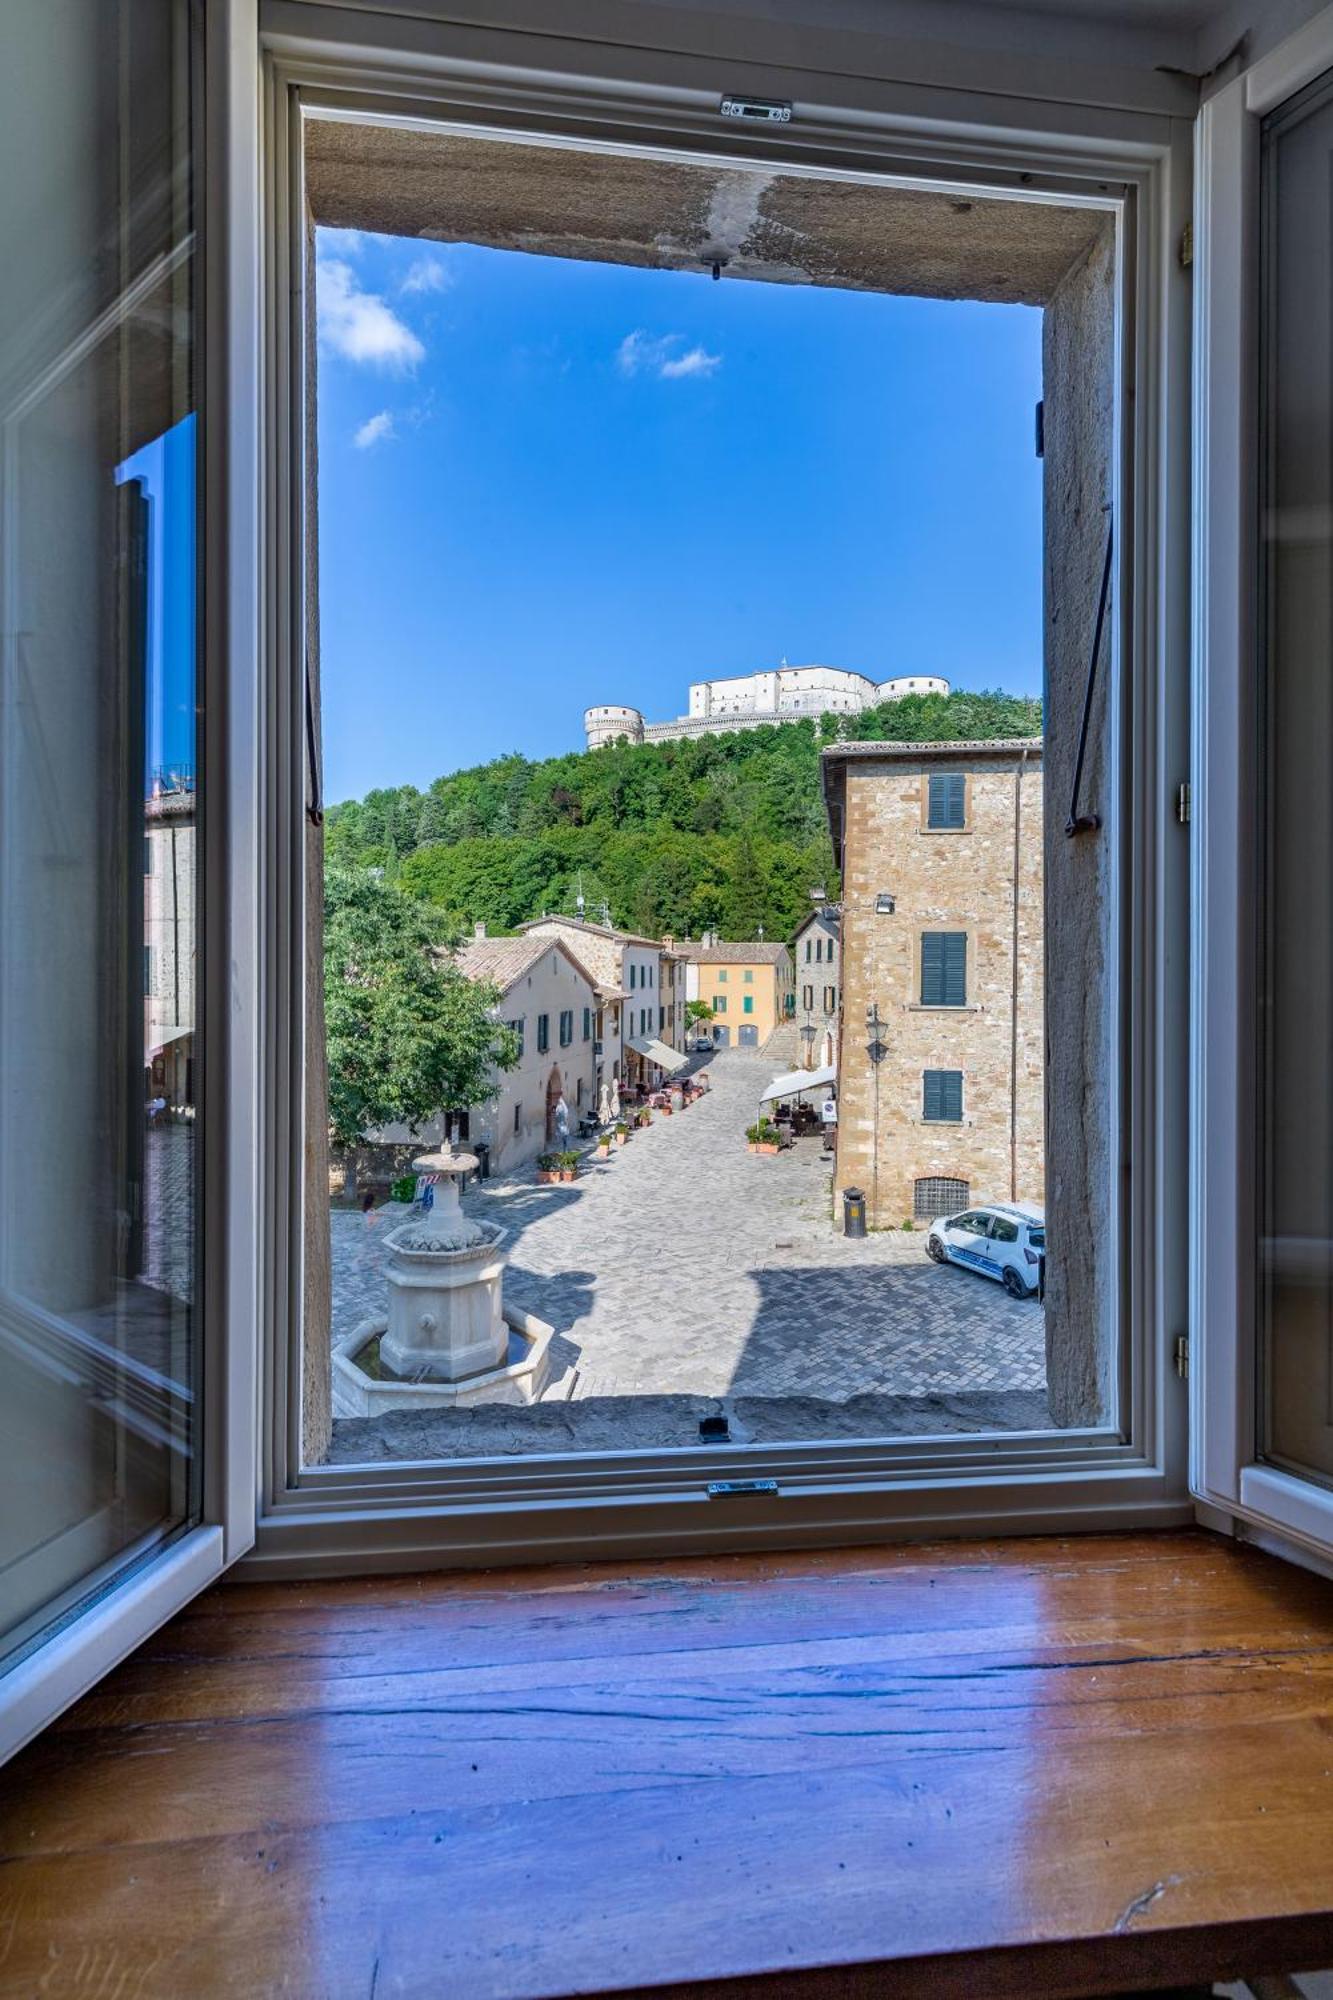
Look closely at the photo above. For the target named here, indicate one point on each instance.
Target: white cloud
(359, 325)
(698, 361)
(640, 354)
(375, 430)
(428, 274)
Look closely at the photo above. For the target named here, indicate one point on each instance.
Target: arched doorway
(554, 1091)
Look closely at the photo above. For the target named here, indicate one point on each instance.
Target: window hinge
(1184, 798)
(1180, 1354)
(1187, 246)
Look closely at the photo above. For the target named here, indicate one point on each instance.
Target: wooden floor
(970, 1769)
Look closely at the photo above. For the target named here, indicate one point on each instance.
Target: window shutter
(951, 1095)
(930, 1107)
(955, 969)
(944, 969)
(948, 799)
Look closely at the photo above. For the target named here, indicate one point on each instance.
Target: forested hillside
(726, 832)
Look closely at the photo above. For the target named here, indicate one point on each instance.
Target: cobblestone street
(686, 1267)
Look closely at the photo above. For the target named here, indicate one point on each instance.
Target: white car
(1004, 1240)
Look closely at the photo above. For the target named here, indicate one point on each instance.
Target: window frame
(929, 781)
(1226, 1472)
(942, 1118)
(111, 1614)
(1135, 165)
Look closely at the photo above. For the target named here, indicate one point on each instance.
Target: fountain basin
(445, 1317)
(519, 1375)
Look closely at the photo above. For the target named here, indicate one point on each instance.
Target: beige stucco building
(550, 1002)
(942, 970)
(748, 984)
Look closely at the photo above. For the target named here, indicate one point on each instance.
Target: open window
(395, 205)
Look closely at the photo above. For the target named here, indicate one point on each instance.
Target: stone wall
(985, 880)
(1078, 366)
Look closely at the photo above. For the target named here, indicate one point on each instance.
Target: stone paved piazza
(685, 1272)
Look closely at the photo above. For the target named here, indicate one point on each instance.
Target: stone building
(816, 952)
(748, 984)
(636, 1005)
(748, 701)
(942, 955)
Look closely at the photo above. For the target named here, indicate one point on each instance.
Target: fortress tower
(603, 725)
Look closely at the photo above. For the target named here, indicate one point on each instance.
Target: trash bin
(853, 1212)
(483, 1153)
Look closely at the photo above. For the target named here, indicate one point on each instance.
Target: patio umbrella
(615, 1097)
(604, 1111)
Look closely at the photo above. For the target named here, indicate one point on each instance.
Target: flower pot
(622, 1138)
(545, 1176)
(568, 1173)
(754, 1148)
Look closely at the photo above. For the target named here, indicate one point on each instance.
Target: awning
(668, 1059)
(797, 1080)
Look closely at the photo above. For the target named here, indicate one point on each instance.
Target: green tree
(408, 1034)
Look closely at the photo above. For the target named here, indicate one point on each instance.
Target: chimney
(478, 930)
(668, 943)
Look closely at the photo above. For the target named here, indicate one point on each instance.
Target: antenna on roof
(606, 913)
(761, 931)
(580, 903)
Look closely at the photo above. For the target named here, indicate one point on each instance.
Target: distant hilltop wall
(750, 701)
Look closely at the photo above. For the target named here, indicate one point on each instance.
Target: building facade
(816, 954)
(941, 1092)
(749, 701)
(551, 1003)
(628, 972)
(748, 985)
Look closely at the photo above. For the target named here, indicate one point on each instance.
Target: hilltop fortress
(748, 701)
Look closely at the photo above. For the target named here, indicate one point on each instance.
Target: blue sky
(545, 484)
(165, 473)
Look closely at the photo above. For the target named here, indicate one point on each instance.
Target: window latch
(740, 1489)
(1180, 1354)
(1081, 822)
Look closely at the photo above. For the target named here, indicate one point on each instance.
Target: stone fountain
(449, 1339)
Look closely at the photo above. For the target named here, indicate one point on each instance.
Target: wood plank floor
(966, 1769)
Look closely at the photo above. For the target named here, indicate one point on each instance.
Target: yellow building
(750, 987)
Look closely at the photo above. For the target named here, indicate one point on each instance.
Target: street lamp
(876, 1047)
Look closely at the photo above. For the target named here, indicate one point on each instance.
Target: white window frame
(371, 65)
(1225, 1469)
(110, 1614)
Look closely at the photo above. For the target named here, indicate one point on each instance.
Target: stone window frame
(936, 1070)
(916, 1005)
(935, 831)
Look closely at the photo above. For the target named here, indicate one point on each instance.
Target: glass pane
(98, 802)
(1296, 1222)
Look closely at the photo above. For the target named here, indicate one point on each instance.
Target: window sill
(928, 1007)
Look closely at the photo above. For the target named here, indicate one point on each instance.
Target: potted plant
(603, 1145)
(548, 1168)
(763, 1137)
(568, 1165)
(643, 1116)
(622, 1133)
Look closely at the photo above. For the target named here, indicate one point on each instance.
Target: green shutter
(948, 800)
(930, 1107)
(944, 969)
(942, 1096)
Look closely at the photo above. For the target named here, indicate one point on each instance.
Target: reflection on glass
(1296, 1220)
(98, 763)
